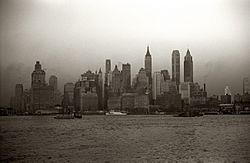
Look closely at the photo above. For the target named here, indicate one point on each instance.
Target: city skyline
(70, 40)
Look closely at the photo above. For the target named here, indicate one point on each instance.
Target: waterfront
(214, 138)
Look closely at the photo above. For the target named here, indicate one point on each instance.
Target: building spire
(188, 52)
(148, 53)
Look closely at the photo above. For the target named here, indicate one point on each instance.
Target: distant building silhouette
(148, 65)
(227, 91)
(141, 84)
(17, 102)
(53, 81)
(165, 74)
(68, 97)
(156, 85)
(176, 67)
(38, 76)
(126, 77)
(116, 81)
(188, 67)
(86, 92)
(108, 66)
(246, 86)
(42, 94)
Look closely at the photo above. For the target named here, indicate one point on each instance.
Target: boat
(189, 114)
(112, 112)
(98, 112)
(78, 115)
(212, 113)
(64, 116)
(244, 112)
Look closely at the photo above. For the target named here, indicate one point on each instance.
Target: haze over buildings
(71, 37)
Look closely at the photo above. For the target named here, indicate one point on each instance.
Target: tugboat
(112, 112)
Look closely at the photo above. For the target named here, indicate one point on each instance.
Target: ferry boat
(112, 112)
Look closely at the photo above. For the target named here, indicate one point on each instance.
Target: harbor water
(132, 138)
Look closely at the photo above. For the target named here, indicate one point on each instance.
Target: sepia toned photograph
(110, 81)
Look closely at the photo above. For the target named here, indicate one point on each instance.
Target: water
(130, 138)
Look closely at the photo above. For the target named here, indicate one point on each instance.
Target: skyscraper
(156, 84)
(165, 74)
(38, 76)
(18, 99)
(126, 77)
(100, 92)
(107, 81)
(108, 65)
(116, 80)
(53, 81)
(42, 94)
(68, 100)
(176, 67)
(148, 65)
(188, 67)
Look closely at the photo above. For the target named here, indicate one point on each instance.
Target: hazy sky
(69, 37)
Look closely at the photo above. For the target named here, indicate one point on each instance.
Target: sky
(70, 37)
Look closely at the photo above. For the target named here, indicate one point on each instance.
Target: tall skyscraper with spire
(148, 65)
(176, 67)
(188, 67)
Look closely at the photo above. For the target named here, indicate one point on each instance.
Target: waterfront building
(17, 102)
(56, 93)
(176, 67)
(185, 91)
(86, 92)
(169, 102)
(188, 67)
(42, 94)
(68, 98)
(246, 86)
(128, 101)
(126, 77)
(141, 103)
(114, 103)
(226, 99)
(198, 95)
